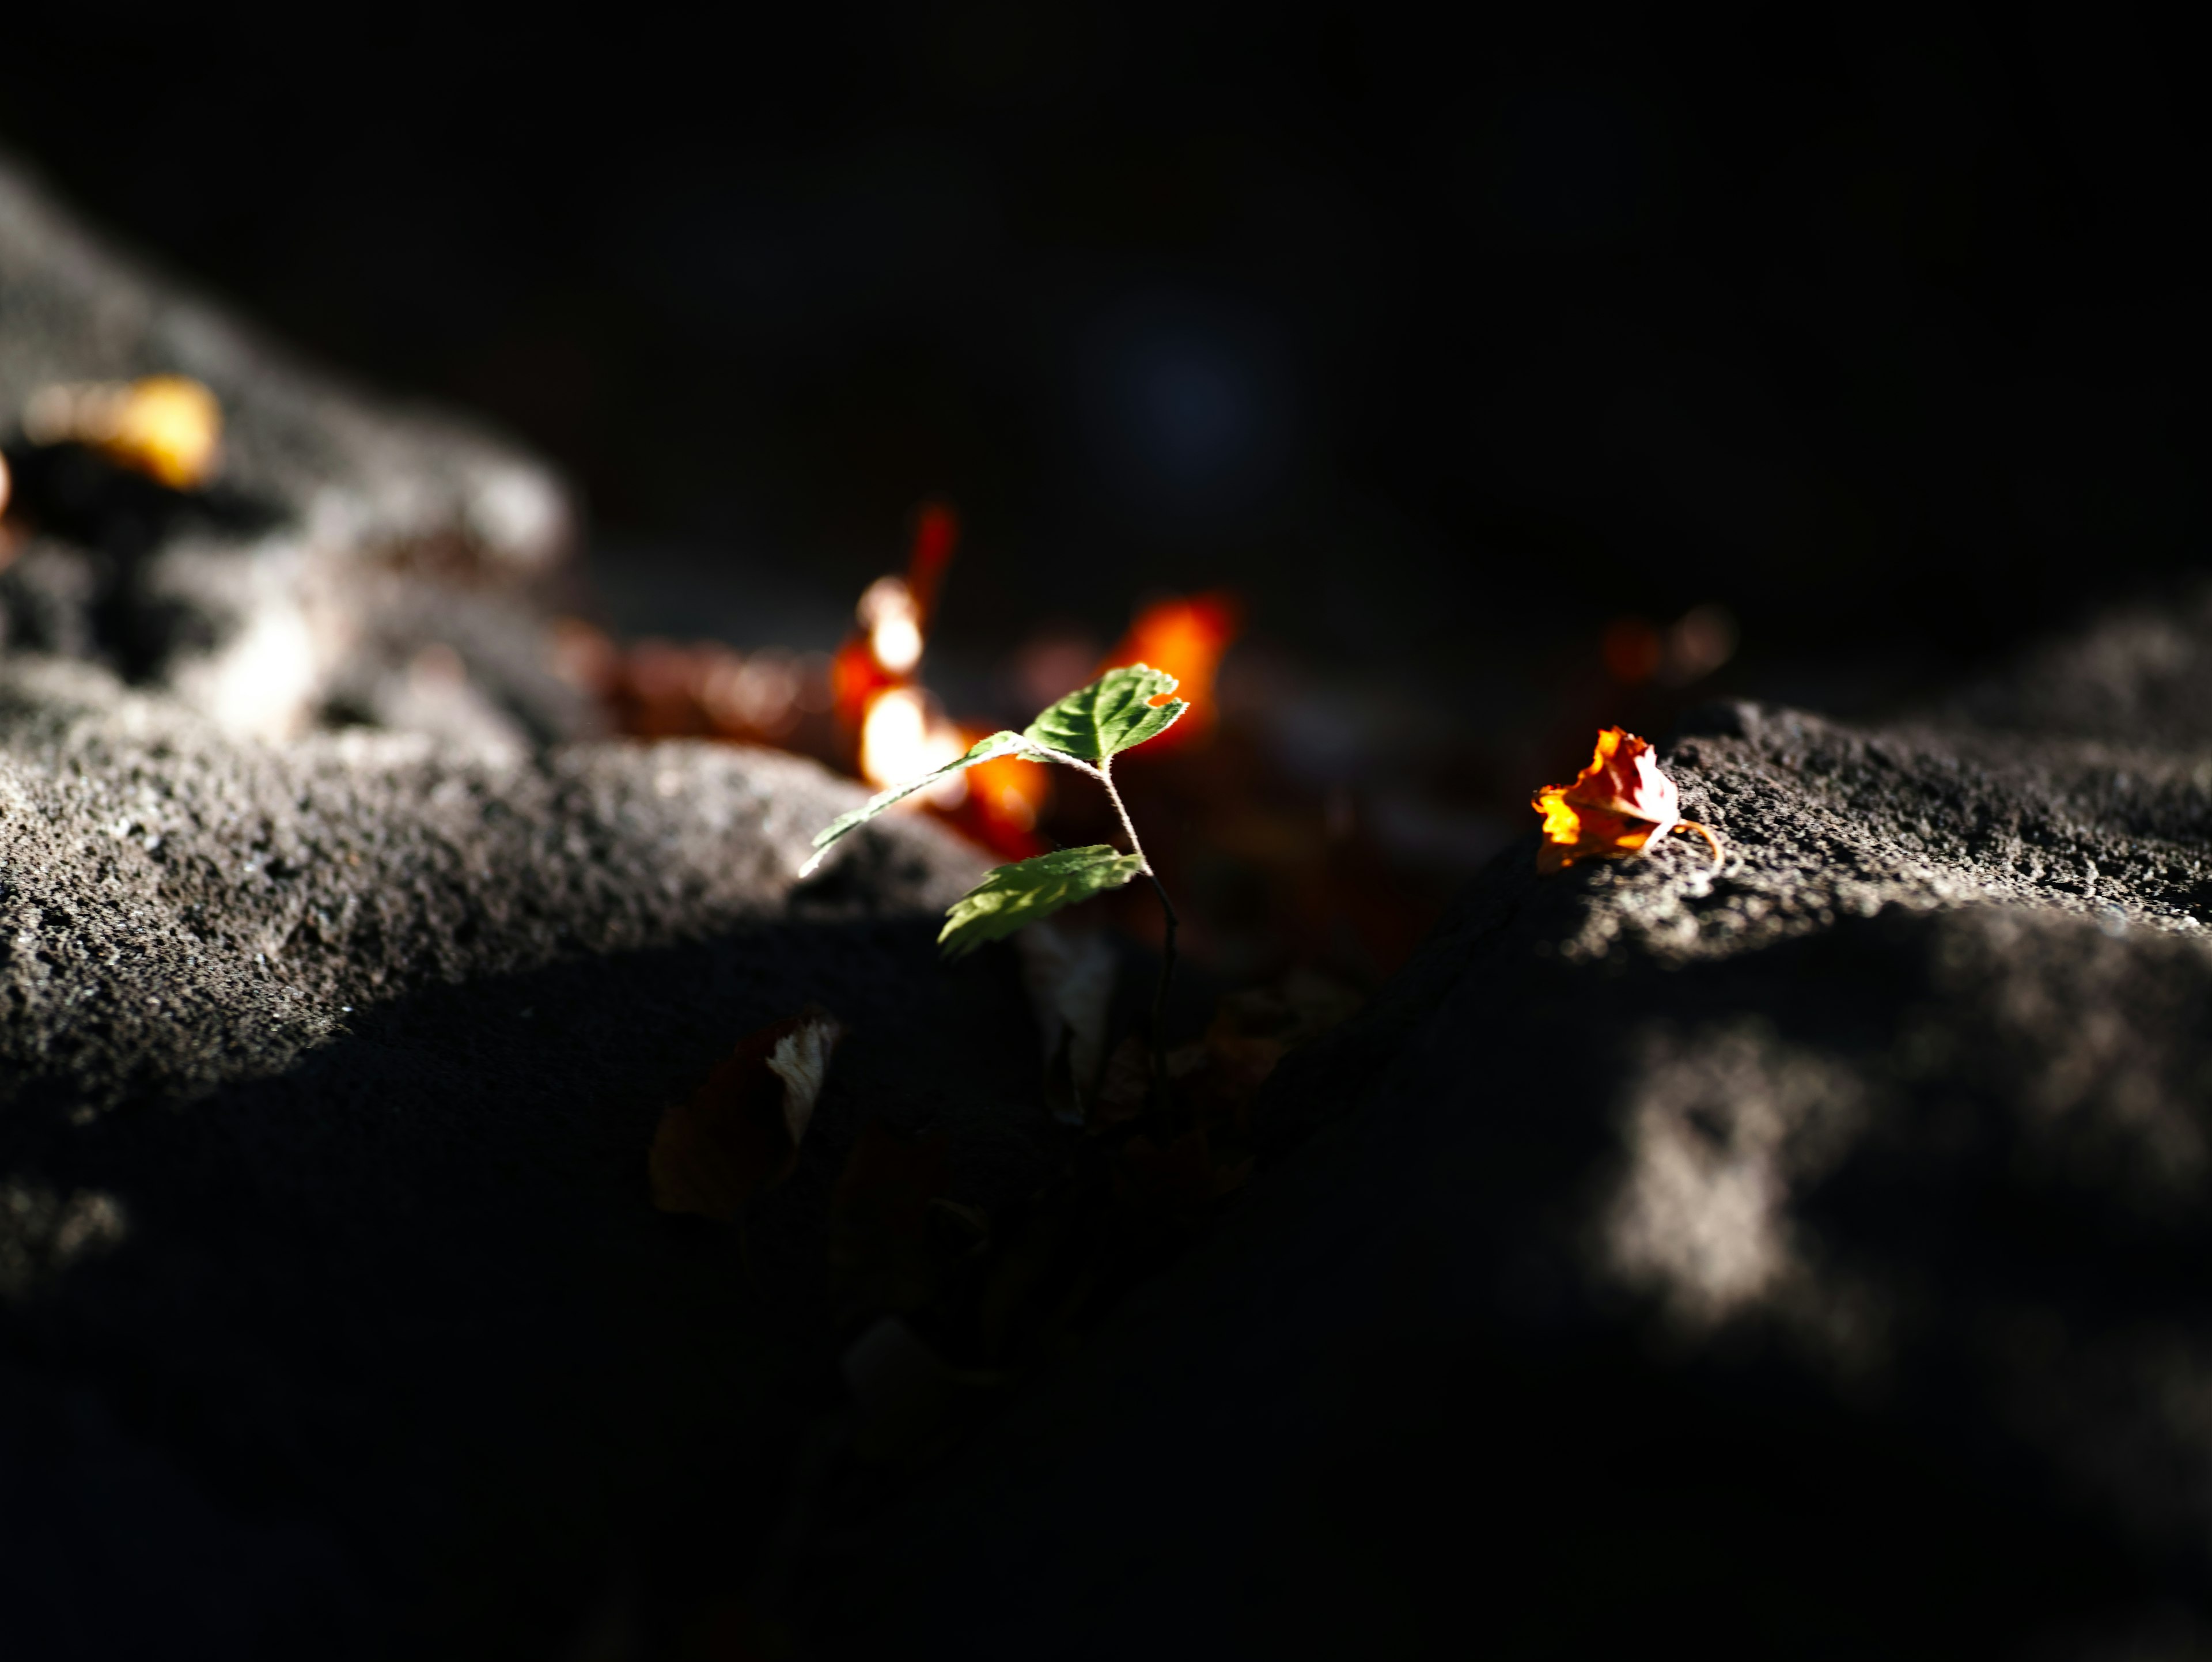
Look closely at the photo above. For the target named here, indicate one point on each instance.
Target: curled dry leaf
(740, 1130)
(1619, 805)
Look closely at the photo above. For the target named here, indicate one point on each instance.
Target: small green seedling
(1085, 731)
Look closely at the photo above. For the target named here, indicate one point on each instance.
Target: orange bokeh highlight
(1006, 798)
(1186, 637)
(1633, 651)
(879, 660)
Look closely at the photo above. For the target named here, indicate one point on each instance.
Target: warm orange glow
(168, 427)
(1633, 651)
(1573, 832)
(1011, 791)
(1185, 637)
(879, 661)
(855, 678)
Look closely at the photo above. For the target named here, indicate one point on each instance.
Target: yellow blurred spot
(166, 427)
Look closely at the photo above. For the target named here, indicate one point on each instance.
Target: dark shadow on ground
(1388, 1411)
(393, 1354)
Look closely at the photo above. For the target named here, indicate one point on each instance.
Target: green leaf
(998, 744)
(1113, 713)
(1021, 894)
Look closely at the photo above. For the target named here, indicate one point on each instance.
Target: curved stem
(1105, 776)
(1692, 828)
(1104, 773)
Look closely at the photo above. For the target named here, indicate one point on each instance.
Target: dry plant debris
(1618, 805)
(739, 1132)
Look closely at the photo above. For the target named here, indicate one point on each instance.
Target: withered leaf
(739, 1132)
(1619, 805)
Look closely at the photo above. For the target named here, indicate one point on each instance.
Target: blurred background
(1485, 378)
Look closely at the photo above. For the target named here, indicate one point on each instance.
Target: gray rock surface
(334, 1318)
(1811, 1259)
(345, 535)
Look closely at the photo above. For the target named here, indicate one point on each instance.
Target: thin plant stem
(1105, 772)
(1692, 828)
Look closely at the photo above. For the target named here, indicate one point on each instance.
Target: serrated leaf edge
(1107, 855)
(1171, 711)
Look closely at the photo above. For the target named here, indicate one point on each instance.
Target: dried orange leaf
(1619, 805)
(740, 1131)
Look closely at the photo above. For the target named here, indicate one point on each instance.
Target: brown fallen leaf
(740, 1130)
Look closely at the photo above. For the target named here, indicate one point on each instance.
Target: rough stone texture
(334, 1318)
(343, 537)
(1810, 1259)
